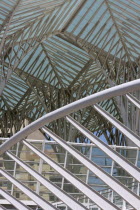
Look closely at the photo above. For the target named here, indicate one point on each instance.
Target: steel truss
(55, 52)
(70, 57)
(123, 191)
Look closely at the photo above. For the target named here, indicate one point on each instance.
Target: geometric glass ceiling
(53, 52)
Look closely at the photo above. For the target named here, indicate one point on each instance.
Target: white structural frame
(115, 185)
(37, 199)
(123, 162)
(126, 131)
(18, 204)
(123, 191)
(2, 208)
(63, 196)
(70, 108)
(133, 100)
(90, 193)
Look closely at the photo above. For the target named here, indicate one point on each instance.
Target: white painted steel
(133, 100)
(90, 193)
(25, 202)
(126, 131)
(38, 200)
(2, 208)
(77, 143)
(63, 196)
(128, 166)
(13, 200)
(123, 191)
(62, 112)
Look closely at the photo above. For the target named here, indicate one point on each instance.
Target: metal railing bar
(35, 197)
(67, 199)
(92, 194)
(119, 159)
(70, 108)
(123, 191)
(134, 100)
(18, 204)
(2, 207)
(120, 126)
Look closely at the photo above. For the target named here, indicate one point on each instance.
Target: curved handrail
(67, 109)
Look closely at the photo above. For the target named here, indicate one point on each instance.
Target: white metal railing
(101, 201)
(70, 108)
(91, 146)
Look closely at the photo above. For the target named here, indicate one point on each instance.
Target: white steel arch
(62, 112)
(115, 185)
(53, 53)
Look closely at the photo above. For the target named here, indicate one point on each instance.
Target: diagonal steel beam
(83, 70)
(71, 38)
(123, 162)
(90, 193)
(2, 207)
(113, 183)
(121, 127)
(79, 7)
(18, 204)
(8, 21)
(63, 196)
(70, 108)
(134, 100)
(37, 199)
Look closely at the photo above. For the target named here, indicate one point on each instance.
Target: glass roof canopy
(54, 52)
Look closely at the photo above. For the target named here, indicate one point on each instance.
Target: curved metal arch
(66, 110)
